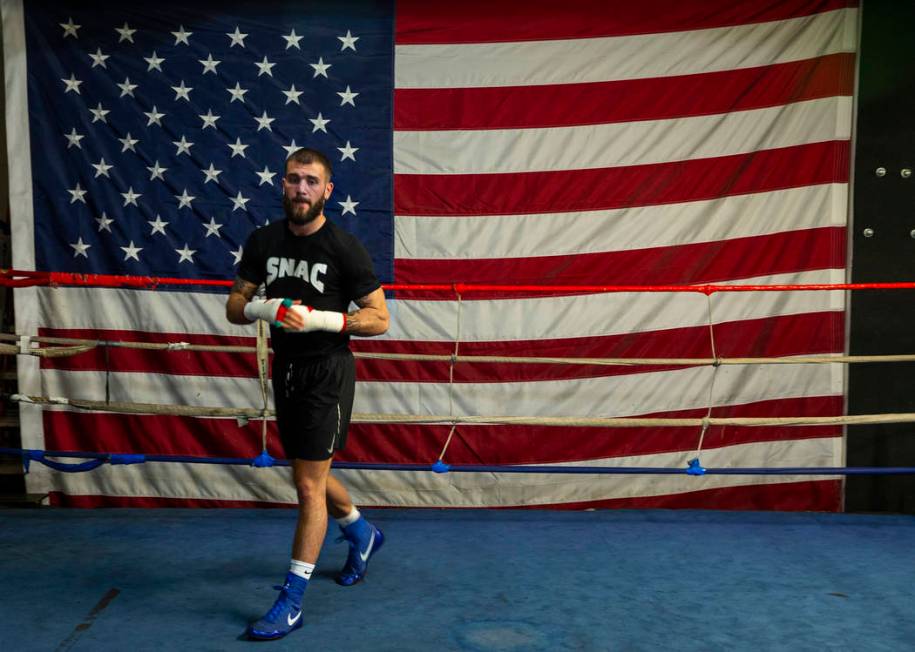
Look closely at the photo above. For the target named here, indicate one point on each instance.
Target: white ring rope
(591, 422)
(691, 362)
(86, 345)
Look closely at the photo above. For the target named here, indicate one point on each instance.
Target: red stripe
(422, 444)
(178, 362)
(59, 499)
(808, 333)
(620, 187)
(810, 496)
(522, 107)
(158, 434)
(707, 262)
(821, 332)
(399, 444)
(485, 21)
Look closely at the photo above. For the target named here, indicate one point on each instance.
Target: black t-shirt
(326, 270)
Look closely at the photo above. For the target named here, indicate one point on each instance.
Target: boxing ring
(23, 344)
(468, 579)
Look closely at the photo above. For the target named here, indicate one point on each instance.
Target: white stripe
(159, 389)
(556, 234)
(141, 310)
(21, 207)
(173, 480)
(426, 489)
(611, 396)
(646, 142)
(495, 489)
(484, 320)
(17, 136)
(624, 57)
(605, 314)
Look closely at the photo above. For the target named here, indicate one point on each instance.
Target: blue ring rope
(94, 460)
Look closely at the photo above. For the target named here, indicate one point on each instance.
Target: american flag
(161, 149)
(509, 142)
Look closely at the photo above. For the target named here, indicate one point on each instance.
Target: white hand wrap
(272, 310)
(320, 320)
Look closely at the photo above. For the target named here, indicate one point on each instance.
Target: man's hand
(304, 319)
(273, 311)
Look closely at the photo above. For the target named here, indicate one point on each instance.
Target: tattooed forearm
(243, 287)
(241, 293)
(354, 322)
(372, 317)
(364, 302)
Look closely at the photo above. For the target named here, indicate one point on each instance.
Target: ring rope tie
(711, 388)
(439, 466)
(264, 459)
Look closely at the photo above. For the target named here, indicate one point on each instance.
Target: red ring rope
(20, 278)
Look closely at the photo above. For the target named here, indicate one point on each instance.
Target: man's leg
(310, 478)
(339, 504)
(364, 538)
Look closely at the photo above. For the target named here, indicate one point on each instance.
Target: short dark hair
(307, 155)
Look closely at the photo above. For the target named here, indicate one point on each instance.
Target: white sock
(301, 568)
(349, 519)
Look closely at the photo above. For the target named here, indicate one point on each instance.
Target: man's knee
(310, 481)
(309, 491)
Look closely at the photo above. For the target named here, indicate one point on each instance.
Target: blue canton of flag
(159, 134)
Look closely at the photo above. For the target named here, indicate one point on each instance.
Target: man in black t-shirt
(312, 270)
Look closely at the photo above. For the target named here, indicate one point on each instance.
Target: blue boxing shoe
(364, 541)
(286, 613)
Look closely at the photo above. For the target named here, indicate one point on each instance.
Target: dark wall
(883, 322)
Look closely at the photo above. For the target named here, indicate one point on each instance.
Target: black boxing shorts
(314, 403)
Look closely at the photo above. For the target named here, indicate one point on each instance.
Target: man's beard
(298, 218)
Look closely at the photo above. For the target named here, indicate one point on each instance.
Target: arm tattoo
(362, 302)
(243, 287)
(353, 322)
